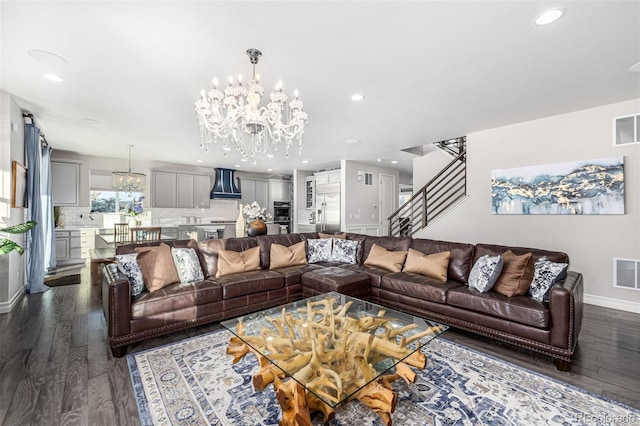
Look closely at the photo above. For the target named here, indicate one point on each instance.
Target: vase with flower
(135, 210)
(255, 218)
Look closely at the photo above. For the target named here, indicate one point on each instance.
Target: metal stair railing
(439, 194)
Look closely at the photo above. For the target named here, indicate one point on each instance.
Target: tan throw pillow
(430, 265)
(157, 266)
(342, 236)
(385, 259)
(517, 274)
(233, 262)
(282, 256)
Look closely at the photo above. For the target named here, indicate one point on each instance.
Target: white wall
(361, 199)
(12, 266)
(592, 241)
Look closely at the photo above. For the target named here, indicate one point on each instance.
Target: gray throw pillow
(128, 265)
(545, 275)
(485, 273)
(319, 250)
(344, 251)
(187, 264)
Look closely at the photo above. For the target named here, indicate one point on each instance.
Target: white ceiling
(429, 70)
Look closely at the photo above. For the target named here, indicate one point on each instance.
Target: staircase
(442, 192)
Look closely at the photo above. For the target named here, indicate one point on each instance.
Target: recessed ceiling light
(237, 166)
(269, 155)
(549, 16)
(352, 141)
(357, 97)
(244, 160)
(47, 58)
(308, 160)
(226, 148)
(269, 170)
(394, 162)
(635, 67)
(379, 160)
(53, 77)
(198, 161)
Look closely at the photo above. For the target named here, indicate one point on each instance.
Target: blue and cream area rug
(193, 382)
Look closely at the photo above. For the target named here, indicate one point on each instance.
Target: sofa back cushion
(460, 257)
(265, 241)
(492, 250)
(389, 243)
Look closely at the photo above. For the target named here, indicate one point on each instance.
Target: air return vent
(626, 130)
(626, 273)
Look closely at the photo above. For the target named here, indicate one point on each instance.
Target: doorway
(388, 200)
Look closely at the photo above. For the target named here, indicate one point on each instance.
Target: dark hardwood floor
(56, 368)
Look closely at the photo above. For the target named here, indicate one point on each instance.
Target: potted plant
(6, 245)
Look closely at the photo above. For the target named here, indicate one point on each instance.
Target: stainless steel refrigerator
(328, 207)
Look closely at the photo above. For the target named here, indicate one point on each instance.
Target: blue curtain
(48, 225)
(36, 247)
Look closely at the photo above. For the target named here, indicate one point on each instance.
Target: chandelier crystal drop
(128, 181)
(235, 118)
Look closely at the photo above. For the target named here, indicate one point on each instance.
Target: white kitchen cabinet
(185, 194)
(309, 192)
(62, 245)
(330, 176)
(180, 189)
(87, 242)
(279, 191)
(164, 189)
(203, 186)
(65, 183)
(254, 190)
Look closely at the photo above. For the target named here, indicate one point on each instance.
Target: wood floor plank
(48, 408)
(101, 409)
(122, 394)
(23, 403)
(76, 381)
(79, 330)
(10, 376)
(78, 417)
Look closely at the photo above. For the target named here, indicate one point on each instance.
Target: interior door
(387, 202)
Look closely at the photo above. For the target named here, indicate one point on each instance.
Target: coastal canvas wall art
(580, 187)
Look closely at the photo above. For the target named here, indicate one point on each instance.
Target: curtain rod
(33, 121)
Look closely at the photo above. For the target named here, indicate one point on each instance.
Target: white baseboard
(608, 302)
(6, 307)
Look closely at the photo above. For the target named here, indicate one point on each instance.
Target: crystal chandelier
(235, 117)
(128, 181)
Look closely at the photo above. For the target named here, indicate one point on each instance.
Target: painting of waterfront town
(581, 187)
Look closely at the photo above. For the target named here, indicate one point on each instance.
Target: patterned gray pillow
(344, 251)
(187, 264)
(485, 273)
(319, 250)
(128, 265)
(545, 275)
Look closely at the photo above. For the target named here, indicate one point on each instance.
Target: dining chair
(121, 233)
(145, 233)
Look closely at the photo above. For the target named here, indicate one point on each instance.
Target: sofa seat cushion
(418, 286)
(292, 274)
(521, 309)
(249, 282)
(341, 280)
(174, 297)
(375, 274)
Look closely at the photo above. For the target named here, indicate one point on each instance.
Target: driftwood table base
(318, 357)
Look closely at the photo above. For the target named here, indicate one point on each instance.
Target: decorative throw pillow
(157, 266)
(233, 262)
(344, 251)
(282, 256)
(485, 273)
(517, 274)
(342, 236)
(430, 265)
(187, 264)
(546, 274)
(386, 259)
(319, 250)
(128, 265)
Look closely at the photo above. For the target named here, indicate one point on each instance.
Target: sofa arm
(565, 306)
(116, 300)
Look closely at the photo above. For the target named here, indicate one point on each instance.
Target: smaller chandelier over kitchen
(235, 117)
(128, 181)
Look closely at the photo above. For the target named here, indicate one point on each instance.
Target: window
(112, 201)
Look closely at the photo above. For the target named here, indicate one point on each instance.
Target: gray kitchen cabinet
(164, 189)
(180, 189)
(68, 244)
(65, 183)
(254, 190)
(203, 186)
(278, 191)
(185, 192)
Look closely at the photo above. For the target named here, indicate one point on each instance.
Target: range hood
(225, 187)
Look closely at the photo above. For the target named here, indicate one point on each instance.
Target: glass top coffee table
(329, 349)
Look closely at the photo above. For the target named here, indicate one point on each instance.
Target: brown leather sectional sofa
(550, 328)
